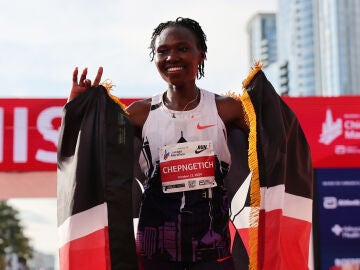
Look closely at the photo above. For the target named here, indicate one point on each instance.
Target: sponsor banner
(337, 221)
(29, 131)
(332, 128)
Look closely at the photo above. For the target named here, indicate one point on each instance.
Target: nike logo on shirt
(204, 127)
(200, 149)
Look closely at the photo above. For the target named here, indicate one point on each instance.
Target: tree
(12, 238)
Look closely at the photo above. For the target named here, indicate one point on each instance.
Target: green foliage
(12, 238)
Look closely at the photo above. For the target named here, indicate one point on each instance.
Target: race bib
(187, 166)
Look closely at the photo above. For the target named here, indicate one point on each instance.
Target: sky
(42, 41)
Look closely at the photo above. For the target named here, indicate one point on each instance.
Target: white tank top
(164, 127)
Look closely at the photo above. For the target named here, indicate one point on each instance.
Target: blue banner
(337, 217)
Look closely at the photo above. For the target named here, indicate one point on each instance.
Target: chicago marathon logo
(347, 126)
(166, 154)
(331, 129)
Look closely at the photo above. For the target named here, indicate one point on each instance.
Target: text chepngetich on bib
(187, 166)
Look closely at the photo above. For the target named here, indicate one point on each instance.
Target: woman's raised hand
(78, 87)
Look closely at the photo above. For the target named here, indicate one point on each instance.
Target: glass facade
(296, 44)
(262, 32)
(339, 43)
(318, 41)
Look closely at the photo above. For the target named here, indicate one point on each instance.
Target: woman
(184, 213)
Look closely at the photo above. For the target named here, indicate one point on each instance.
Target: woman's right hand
(79, 87)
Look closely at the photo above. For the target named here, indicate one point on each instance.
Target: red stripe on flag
(243, 233)
(245, 237)
(90, 252)
(284, 241)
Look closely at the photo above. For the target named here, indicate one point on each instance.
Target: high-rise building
(261, 29)
(262, 32)
(296, 46)
(317, 46)
(338, 44)
(320, 40)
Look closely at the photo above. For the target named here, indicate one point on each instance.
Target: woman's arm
(232, 113)
(138, 112)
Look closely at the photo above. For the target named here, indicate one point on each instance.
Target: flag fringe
(257, 66)
(255, 182)
(255, 195)
(108, 86)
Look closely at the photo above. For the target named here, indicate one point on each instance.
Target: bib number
(187, 166)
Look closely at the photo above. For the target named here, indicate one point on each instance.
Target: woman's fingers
(98, 76)
(75, 74)
(87, 83)
(83, 77)
(84, 82)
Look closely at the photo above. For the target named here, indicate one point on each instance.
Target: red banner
(29, 130)
(332, 127)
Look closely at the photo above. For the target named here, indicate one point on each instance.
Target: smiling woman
(194, 203)
(180, 120)
(184, 157)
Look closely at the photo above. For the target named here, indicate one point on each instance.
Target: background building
(316, 44)
(296, 46)
(261, 29)
(262, 33)
(338, 24)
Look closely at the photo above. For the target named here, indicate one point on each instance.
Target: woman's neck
(182, 98)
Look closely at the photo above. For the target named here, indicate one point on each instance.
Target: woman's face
(177, 55)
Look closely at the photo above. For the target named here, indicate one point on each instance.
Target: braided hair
(190, 24)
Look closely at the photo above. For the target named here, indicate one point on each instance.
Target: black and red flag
(95, 173)
(271, 208)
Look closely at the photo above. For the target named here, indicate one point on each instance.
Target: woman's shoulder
(138, 112)
(231, 111)
(139, 105)
(225, 102)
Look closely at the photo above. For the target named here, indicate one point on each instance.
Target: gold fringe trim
(250, 118)
(109, 86)
(255, 182)
(255, 196)
(254, 69)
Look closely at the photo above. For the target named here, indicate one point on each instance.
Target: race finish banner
(332, 128)
(337, 219)
(29, 131)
